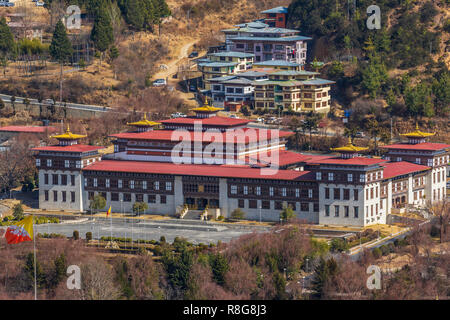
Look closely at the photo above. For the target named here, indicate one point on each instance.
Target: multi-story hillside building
(267, 43)
(299, 91)
(223, 64)
(251, 170)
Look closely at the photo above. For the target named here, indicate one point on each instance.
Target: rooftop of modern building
(28, 129)
(276, 63)
(317, 81)
(394, 169)
(253, 24)
(276, 10)
(282, 83)
(223, 78)
(252, 27)
(239, 81)
(226, 171)
(217, 64)
(272, 39)
(232, 54)
(293, 73)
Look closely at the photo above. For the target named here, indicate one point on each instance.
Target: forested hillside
(405, 62)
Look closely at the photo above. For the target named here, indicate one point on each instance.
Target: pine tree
(135, 13)
(102, 32)
(6, 38)
(7, 44)
(61, 47)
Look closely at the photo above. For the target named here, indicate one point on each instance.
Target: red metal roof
(250, 134)
(74, 148)
(212, 121)
(27, 129)
(393, 169)
(228, 171)
(357, 161)
(427, 146)
(283, 158)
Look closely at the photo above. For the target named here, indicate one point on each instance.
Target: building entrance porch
(201, 203)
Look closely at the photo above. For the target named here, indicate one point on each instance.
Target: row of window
(429, 162)
(373, 176)
(437, 176)
(272, 191)
(278, 205)
(78, 164)
(63, 196)
(437, 195)
(126, 197)
(341, 194)
(337, 211)
(131, 184)
(59, 179)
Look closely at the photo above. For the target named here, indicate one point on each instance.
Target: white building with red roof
(261, 179)
(60, 167)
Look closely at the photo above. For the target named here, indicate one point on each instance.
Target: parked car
(233, 116)
(6, 4)
(48, 101)
(261, 120)
(192, 88)
(178, 115)
(360, 134)
(40, 4)
(194, 54)
(159, 82)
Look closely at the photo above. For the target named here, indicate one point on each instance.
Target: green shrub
(88, 236)
(384, 250)
(76, 235)
(18, 212)
(338, 245)
(376, 253)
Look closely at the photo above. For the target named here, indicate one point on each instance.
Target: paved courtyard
(193, 231)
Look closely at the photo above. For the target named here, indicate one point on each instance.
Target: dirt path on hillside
(173, 65)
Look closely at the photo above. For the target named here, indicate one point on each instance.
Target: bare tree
(16, 162)
(97, 281)
(441, 212)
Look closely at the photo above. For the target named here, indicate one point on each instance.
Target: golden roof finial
(206, 107)
(69, 135)
(417, 133)
(349, 147)
(144, 122)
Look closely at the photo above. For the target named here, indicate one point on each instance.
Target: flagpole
(111, 226)
(34, 252)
